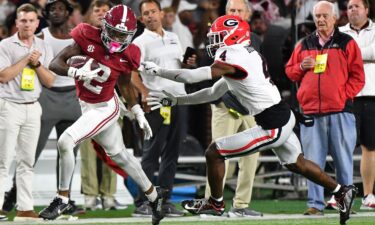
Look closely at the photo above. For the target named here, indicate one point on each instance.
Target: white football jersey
(252, 84)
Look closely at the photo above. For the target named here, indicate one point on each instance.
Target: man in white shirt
(362, 29)
(168, 124)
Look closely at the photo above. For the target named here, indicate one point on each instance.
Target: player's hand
(125, 112)
(151, 68)
(84, 73)
(159, 99)
(142, 122)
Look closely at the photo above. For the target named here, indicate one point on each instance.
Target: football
(79, 60)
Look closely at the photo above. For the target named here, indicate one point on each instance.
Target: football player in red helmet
(243, 72)
(119, 27)
(111, 48)
(226, 31)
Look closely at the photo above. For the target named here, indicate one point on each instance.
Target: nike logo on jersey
(175, 77)
(123, 60)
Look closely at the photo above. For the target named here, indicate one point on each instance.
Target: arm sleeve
(187, 75)
(356, 79)
(292, 68)
(205, 95)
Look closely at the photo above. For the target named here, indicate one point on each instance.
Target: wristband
(72, 72)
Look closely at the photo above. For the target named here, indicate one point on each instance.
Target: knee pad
(65, 143)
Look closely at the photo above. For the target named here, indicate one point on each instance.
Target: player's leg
(290, 155)
(244, 143)
(111, 141)
(95, 118)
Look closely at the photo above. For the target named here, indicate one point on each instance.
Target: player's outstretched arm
(188, 75)
(159, 99)
(59, 63)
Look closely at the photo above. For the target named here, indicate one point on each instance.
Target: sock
(64, 199)
(152, 196)
(338, 187)
(218, 203)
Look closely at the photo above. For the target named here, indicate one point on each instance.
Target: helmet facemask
(116, 39)
(216, 40)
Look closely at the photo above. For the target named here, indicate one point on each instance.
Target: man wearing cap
(23, 62)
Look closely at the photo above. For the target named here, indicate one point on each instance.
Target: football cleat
(156, 206)
(331, 203)
(203, 206)
(54, 210)
(345, 199)
(368, 203)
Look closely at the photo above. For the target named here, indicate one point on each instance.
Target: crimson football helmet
(227, 30)
(119, 27)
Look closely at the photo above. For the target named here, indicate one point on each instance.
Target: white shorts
(283, 141)
(99, 121)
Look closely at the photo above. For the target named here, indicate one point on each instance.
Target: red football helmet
(227, 30)
(119, 27)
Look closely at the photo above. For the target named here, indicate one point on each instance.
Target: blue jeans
(334, 134)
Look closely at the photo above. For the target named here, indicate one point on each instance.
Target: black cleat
(156, 206)
(345, 199)
(54, 210)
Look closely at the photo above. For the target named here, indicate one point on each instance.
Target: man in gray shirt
(23, 62)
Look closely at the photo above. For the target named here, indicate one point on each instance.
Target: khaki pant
(19, 132)
(224, 124)
(90, 182)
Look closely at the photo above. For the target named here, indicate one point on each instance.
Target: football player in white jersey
(243, 72)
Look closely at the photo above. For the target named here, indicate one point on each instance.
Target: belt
(25, 103)
(63, 89)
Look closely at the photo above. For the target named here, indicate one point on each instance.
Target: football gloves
(84, 73)
(142, 122)
(151, 68)
(159, 99)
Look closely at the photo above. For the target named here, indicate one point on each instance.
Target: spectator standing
(226, 121)
(328, 65)
(98, 179)
(23, 62)
(59, 103)
(168, 125)
(362, 29)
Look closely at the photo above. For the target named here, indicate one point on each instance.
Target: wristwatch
(36, 66)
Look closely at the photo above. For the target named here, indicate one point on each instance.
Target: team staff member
(362, 29)
(329, 67)
(167, 124)
(23, 62)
